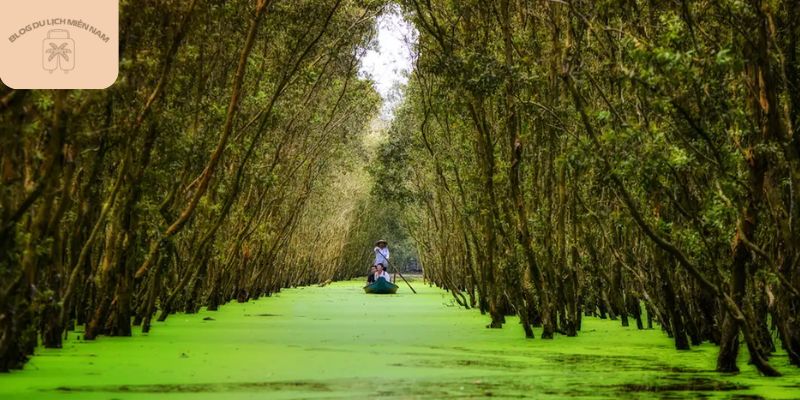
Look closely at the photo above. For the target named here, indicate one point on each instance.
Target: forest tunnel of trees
(636, 159)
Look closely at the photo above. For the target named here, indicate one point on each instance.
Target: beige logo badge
(59, 44)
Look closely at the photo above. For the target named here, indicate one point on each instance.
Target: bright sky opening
(389, 60)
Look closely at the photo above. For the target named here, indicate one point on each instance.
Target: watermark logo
(58, 51)
(44, 38)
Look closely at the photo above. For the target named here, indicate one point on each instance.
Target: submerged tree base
(336, 342)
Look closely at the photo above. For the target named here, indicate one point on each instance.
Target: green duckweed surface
(335, 342)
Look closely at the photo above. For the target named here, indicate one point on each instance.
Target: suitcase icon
(58, 51)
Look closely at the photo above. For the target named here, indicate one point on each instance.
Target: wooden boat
(381, 286)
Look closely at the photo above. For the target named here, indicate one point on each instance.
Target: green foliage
(637, 135)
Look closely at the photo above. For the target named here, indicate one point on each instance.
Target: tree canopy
(558, 158)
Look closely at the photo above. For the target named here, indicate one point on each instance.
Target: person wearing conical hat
(381, 253)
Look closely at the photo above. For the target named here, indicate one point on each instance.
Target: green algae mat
(335, 342)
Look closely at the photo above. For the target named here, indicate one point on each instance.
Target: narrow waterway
(335, 342)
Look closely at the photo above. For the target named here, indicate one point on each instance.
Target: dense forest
(557, 158)
(636, 160)
(218, 167)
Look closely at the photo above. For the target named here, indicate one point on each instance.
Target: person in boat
(381, 253)
(382, 273)
(373, 271)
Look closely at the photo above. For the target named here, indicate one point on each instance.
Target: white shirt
(385, 275)
(381, 256)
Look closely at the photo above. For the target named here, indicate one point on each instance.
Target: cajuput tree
(200, 177)
(584, 157)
